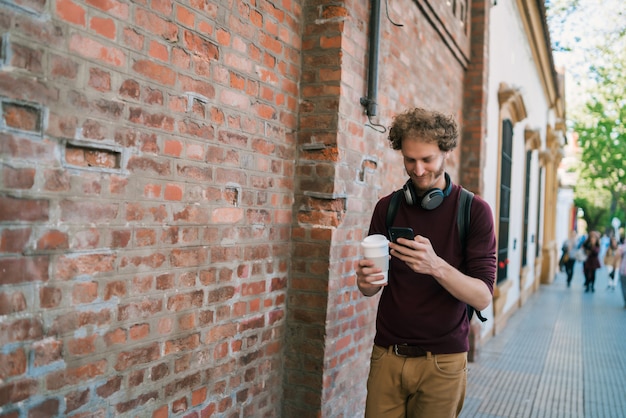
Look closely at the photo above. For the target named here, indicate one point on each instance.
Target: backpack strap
(392, 210)
(463, 215)
(463, 223)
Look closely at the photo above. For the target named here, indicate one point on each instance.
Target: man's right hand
(366, 273)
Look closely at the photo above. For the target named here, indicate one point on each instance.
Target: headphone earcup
(409, 193)
(432, 199)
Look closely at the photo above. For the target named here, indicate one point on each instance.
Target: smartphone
(396, 232)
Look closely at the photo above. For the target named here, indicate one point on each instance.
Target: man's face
(424, 162)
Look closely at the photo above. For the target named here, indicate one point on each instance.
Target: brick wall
(146, 203)
(182, 193)
(343, 168)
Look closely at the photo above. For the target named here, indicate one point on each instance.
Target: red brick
(23, 270)
(82, 346)
(140, 355)
(57, 180)
(53, 240)
(139, 332)
(15, 209)
(68, 267)
(50, 297)
(198, 396)
(200, 46)
(156, 25)
(101, 81)
(115, 289)
(185, 16)
(63, 67)
(173, 192)
(14, 240)
(136, 378)
(87, 239)
(161, 412)
(111, 387)
(142, 309)
(18, 178)
(183, 301)
(188, 343)
(183, 384)
(103, 26)
(71, 12)
(23, 117)
(145, 237)
(90, 48)
(47, 351)
(179, 405)
(114, 7)
(120, 239)
(12, 364)
(47, 408)
(138, 401)
(87, 211)
(16, 391)
(75, 400)
(73, 320)
(137, 164)
(156, 72)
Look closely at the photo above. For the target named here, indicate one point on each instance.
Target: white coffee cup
(376, 248)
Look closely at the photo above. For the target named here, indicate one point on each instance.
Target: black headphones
(429, 200)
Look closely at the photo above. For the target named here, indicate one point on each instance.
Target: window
(525, 242)
(539, 196)
(506, 161)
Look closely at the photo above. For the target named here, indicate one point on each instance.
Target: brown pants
(432, 386)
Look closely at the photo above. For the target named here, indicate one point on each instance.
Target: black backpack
(462, 220)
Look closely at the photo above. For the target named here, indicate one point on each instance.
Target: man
(419, 360)
(569, 248)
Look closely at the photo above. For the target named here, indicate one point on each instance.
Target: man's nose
(419, 169)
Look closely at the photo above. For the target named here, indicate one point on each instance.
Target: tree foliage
(598, 119)
(594, 202)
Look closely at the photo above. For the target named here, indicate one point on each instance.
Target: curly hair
(427, 125)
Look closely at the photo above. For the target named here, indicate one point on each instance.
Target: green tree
(593, 35)
(600, 125)
(594, 202)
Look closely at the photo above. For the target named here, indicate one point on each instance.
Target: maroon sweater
(414, 308)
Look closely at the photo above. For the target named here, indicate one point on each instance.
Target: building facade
(185, 184)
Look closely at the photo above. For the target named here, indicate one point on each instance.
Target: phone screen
(401, 232)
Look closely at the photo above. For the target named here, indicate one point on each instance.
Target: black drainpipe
(369, 102)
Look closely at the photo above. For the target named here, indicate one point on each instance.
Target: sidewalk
(562, 355)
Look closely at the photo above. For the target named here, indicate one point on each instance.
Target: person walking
(611, 262)
(569, 255)
(592, 263)
(622, 268)
(418, 365)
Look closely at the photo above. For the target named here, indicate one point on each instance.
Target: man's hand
(418, 254)
(366, 273)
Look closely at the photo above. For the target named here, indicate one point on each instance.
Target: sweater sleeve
(480, 248)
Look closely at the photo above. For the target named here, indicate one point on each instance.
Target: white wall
(565, 199)
(511, 62)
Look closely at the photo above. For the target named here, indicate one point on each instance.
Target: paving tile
(562, 355)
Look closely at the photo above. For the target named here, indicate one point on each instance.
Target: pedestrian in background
(604, 242)
(622, 268)
(611, 262)
(569, 255)
(592, 263)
